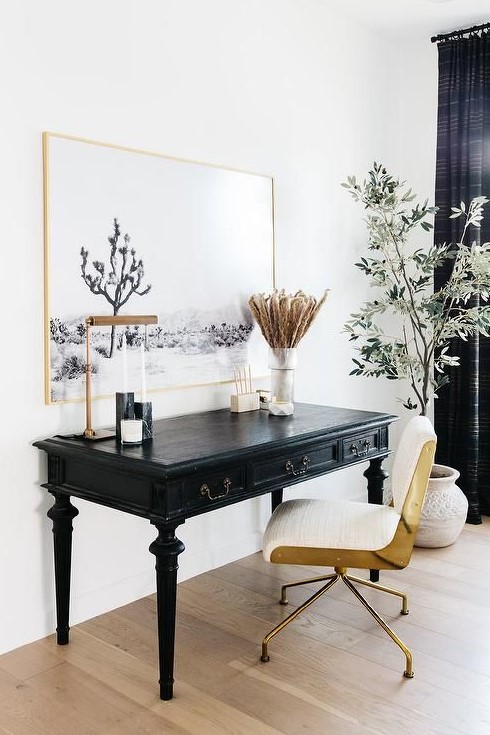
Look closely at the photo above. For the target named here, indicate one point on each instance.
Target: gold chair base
(347, 579)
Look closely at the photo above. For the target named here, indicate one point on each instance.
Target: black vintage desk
(194, 464)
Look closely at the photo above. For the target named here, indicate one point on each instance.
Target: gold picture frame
(201, 235)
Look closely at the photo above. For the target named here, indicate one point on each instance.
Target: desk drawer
(290, 467)
(213, 488)
(360, 447)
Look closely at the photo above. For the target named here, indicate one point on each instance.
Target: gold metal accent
(360, 452)
(265, 656)
(396, 555)
(104, 321)
(46, 136)
(408, 673)
(47, 296)
(205, 490)
(382, 588)
(274, 268)
(284, 600)
(109, 321)
(295, 473)
(340, 573)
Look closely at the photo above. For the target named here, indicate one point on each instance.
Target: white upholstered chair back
(418, 431)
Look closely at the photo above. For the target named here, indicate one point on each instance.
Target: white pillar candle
(143, 374)
(124, 363)
(131, 431)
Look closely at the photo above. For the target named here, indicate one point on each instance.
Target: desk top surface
(182, 440)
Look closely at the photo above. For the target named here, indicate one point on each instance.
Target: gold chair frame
(396, 555)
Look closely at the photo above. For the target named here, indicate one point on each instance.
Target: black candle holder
(124, 410)
(142, 410)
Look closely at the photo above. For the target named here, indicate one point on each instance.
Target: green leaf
(420, 321)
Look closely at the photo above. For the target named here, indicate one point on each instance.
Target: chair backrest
(416, 434)
(411, 471)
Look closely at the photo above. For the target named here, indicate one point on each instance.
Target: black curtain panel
(462, 410)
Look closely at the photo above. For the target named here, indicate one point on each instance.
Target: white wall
(414, 134)
(281, 87)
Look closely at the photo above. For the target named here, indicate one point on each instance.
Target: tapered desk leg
(166, 548)
(62, 513)
(375, 476)
(276, 499)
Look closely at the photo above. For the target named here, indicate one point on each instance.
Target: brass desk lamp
(104, 321)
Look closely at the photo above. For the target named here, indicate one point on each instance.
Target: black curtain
(462, 411)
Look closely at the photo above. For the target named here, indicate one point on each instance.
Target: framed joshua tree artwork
(133, 232)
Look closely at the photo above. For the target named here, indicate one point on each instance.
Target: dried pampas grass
(285, 318)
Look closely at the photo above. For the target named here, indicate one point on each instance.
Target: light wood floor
(333, 671)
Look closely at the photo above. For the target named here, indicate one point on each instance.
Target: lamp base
(99, 435)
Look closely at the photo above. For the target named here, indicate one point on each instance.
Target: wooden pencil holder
(244, 402)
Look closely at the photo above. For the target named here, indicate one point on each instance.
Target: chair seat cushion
(330, 524)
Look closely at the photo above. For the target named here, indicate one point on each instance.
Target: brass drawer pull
(205, 490)
(290, 467)
(360, 452)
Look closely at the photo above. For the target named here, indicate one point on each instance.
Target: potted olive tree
(405, 331)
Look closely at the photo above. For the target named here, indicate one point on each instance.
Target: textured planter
(444, 511)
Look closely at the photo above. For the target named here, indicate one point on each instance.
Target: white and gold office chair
(344, 534)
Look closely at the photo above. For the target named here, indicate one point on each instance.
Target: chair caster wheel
(408, 675)
(264, 659)
(284, 602)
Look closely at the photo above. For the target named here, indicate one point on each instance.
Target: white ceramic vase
(282, 363)
(444, 511)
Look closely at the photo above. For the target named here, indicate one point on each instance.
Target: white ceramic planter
(444, 511)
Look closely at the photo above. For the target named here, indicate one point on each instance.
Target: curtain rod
(455, 34)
